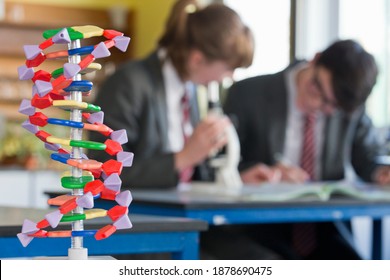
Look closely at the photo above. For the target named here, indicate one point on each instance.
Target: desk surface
(150, 234)
(11, 220)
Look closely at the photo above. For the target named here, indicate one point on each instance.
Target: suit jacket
(260, 106)
(133, 98)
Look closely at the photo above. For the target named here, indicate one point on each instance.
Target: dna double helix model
(86, 179)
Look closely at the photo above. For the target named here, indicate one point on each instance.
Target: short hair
(354, 72)
(215, 30)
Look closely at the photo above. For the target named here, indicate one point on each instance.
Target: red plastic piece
(41, 76)
(108, 194)
(113, 147)
(63, 151)
(43, 224)
(110, 34)
(117, 211)
(56, 96)
(42, 135)
(39, 119)
(45, 44)
(41, 102)
(61, 82)
(36, 61)
(109, 43)
(95, 187)
(68, 206)
(86, 61)
(96, 173)
(39, 233)
(105, 232)
(112, 166)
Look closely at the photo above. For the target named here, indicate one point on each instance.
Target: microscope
(227, 177)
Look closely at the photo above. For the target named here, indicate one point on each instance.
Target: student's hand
(382, 175)
(209, 135)
(291, 173)
(260, 173)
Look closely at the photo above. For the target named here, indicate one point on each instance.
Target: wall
(150, 16)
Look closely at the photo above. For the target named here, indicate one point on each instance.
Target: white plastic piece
(78, 253)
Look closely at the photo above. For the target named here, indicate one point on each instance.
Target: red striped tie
(304, 234)
(308, 145)
(186, 174)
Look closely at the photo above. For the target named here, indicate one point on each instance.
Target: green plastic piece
(73, 34)
(93, 108)
(88, 145)
(69, 182)
(58, 72)
(72, 217)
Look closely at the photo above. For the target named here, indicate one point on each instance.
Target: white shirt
(295, 125)
(174, 90)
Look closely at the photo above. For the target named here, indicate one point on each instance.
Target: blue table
(150, 234)
(218, 210)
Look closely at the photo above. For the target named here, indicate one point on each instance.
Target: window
(270, 24)
(369, 23)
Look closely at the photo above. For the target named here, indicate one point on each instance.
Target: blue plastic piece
(81, 51)
(65, 123)
(84, 232)
(83, 86)
(63, 158)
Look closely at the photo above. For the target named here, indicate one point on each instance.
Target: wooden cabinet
(24, 24)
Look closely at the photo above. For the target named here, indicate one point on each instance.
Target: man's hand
(260, 173)
(382, 175)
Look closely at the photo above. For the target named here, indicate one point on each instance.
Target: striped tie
(186, 174)
(308, 145)
(304, 234)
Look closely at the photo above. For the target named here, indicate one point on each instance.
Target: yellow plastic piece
(68, 173)
(56, 140)
(70, 104)
(95, 213)
(89, 31)
(91, 68)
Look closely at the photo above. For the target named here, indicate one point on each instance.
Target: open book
(274, 192)
(316, 191)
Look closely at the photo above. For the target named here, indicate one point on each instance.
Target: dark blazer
(133, 98)
(260, 106)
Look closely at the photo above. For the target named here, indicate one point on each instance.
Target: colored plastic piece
(63, 88)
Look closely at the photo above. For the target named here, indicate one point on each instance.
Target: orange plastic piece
(43, 224)
(94, 187)
(85, 164)
(112, 166)
(105, 232)
(113, 147)
(117, 211)
(59, 200)
(60, 233)
(68, 206)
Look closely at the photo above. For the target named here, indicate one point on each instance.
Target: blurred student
(308, 122)
(154, 98)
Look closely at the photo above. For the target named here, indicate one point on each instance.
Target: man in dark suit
(271, 111)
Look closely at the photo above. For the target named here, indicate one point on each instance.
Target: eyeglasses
(324, 99)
